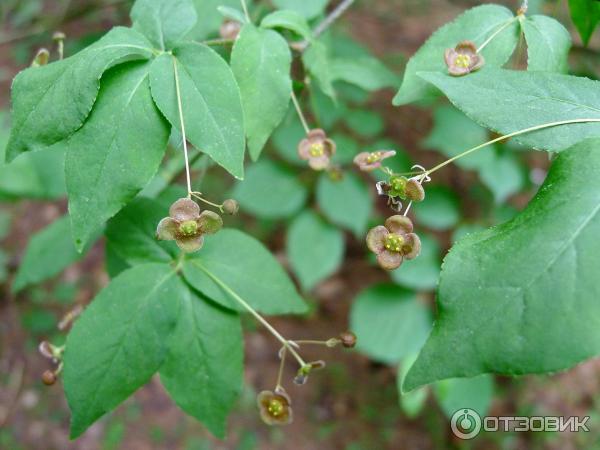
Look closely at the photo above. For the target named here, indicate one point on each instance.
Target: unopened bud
(348, 339)
(231, 207)
(414, 190)
(59, 36)
(41, 58)
(48, 378)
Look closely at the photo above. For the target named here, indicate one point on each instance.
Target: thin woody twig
(326, 23)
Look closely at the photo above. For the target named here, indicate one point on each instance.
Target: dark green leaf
(548, 44)
(164, 22)
(586, 16)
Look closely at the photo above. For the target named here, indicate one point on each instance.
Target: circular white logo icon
(465, 423)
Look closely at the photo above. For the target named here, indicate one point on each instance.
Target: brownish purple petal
(318, 162)
(184, 209)
(466, 48)
(167, 229)
(329, 147)
(412, 246)
(399, 224)
(389, 260)
(190, 244)
(209, 222)
(376, 238)
(304, 149)
(414, 190)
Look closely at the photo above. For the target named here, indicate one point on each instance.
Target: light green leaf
(459, 393)
(233, 261)
(119, 341)
(548, 44)
(288, 20)
(439, 210)
(364, 122)
(287, 136)
(164, 22)
(48, 253)
(261, 61)
(476, 24)
(528, 99)
(504, 176)
(390, 322)
(346, 148)
(346, 203)
(586, 16)
(412, 403)
(315, 249)
(270, 191)
(316, 61)
(232, 13)
(308, 9)
(45, 109)
(203, 368)
(210, 17)
(116, 153)
(421, 273)
(212, 111)
(366, 72)
(530, 284)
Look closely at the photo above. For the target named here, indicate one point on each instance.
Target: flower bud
(348, 339)
(414, 190)
(41, 58)
(59, 36)
(48, 378)
(231, 207)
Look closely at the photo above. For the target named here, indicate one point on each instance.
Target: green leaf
(504, 176)
(119, 341)
(210, 97)
(317, 62)
(476, 24)
(164, 22)
(233, 261)
(131, 234)
(460, 393)
(390, 322)
(116, 153)
(261, 62)
(287, 136)
(439, 210)
(232, 13)
(421, 273)
(46, 110)
(288, 20)
(346, 203)
(364, 122)
(586, 16)
(210, 17)
(365, 72)
(270, 191)
(315, 249)
(412, 403)
(530, 284)
(48, 253)
(309, 9)
(204, 364)
(548, 44)
(528, 99)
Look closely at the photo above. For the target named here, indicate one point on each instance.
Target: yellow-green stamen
(275, 407)
(393, 242)
(316, 150)
(463, 61)
(188, 228)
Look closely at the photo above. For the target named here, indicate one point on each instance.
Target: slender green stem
(281, 365)
(257, 316)
(310, 341)
(185, 149)
(245, 8)
(300, 113)
(497, 32)
(507, 136)
(198, 195)
(218, 42)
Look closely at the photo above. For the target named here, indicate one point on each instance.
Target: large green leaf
(261, 62)
(586, 16)
(548, 44)
(528, 99)
(204, 364)
(390, 322)
(459, 393)
(116, 153)
(440, 210)
(210, 98)
(119, 341)
(476, 24)
(233, 261)
(315, 249)
(523, 297)
(50, 102)
(164, 22)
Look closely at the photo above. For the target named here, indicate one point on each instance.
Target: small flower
(368, 161)
(317, 148)
(231, 207)
(463, 59)
(186, 226)
(348, 339)
(397, 186)
(414, 190)
(275, 407)
(394, 242)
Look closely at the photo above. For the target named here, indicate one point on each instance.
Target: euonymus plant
(517, 298)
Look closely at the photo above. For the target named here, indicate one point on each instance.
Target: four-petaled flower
(275, 407)
(186, 226)
(394, 242)
(463, 59)
(368, 161)
(317, 148)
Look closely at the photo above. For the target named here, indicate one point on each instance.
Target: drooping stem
(185, 149)
(198, 195)
(245, 8)
(507, 136)
(497, 32)
(281, 365)
(300, 113)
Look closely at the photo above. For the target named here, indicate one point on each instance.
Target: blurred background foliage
(315, 223)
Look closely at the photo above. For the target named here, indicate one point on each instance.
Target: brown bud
(48, 378)
(231, 207)
(348, 339)
(414, 190)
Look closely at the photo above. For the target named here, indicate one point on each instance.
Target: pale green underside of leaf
(261, 61)
(289, 20)
(317, 61)
(523, 297)
(507, 101)
(476, 25)
(548, 44)
(211, 103)
(246, 267)
(204, 365)
(45, 109)
(119, 341)
(315, 249)
(164, 22)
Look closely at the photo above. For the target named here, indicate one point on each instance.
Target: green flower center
(463, 61)
(316, 150)
(188, 228)
(397, 185)
(393, 243)
(373, 158)
(275, 407)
